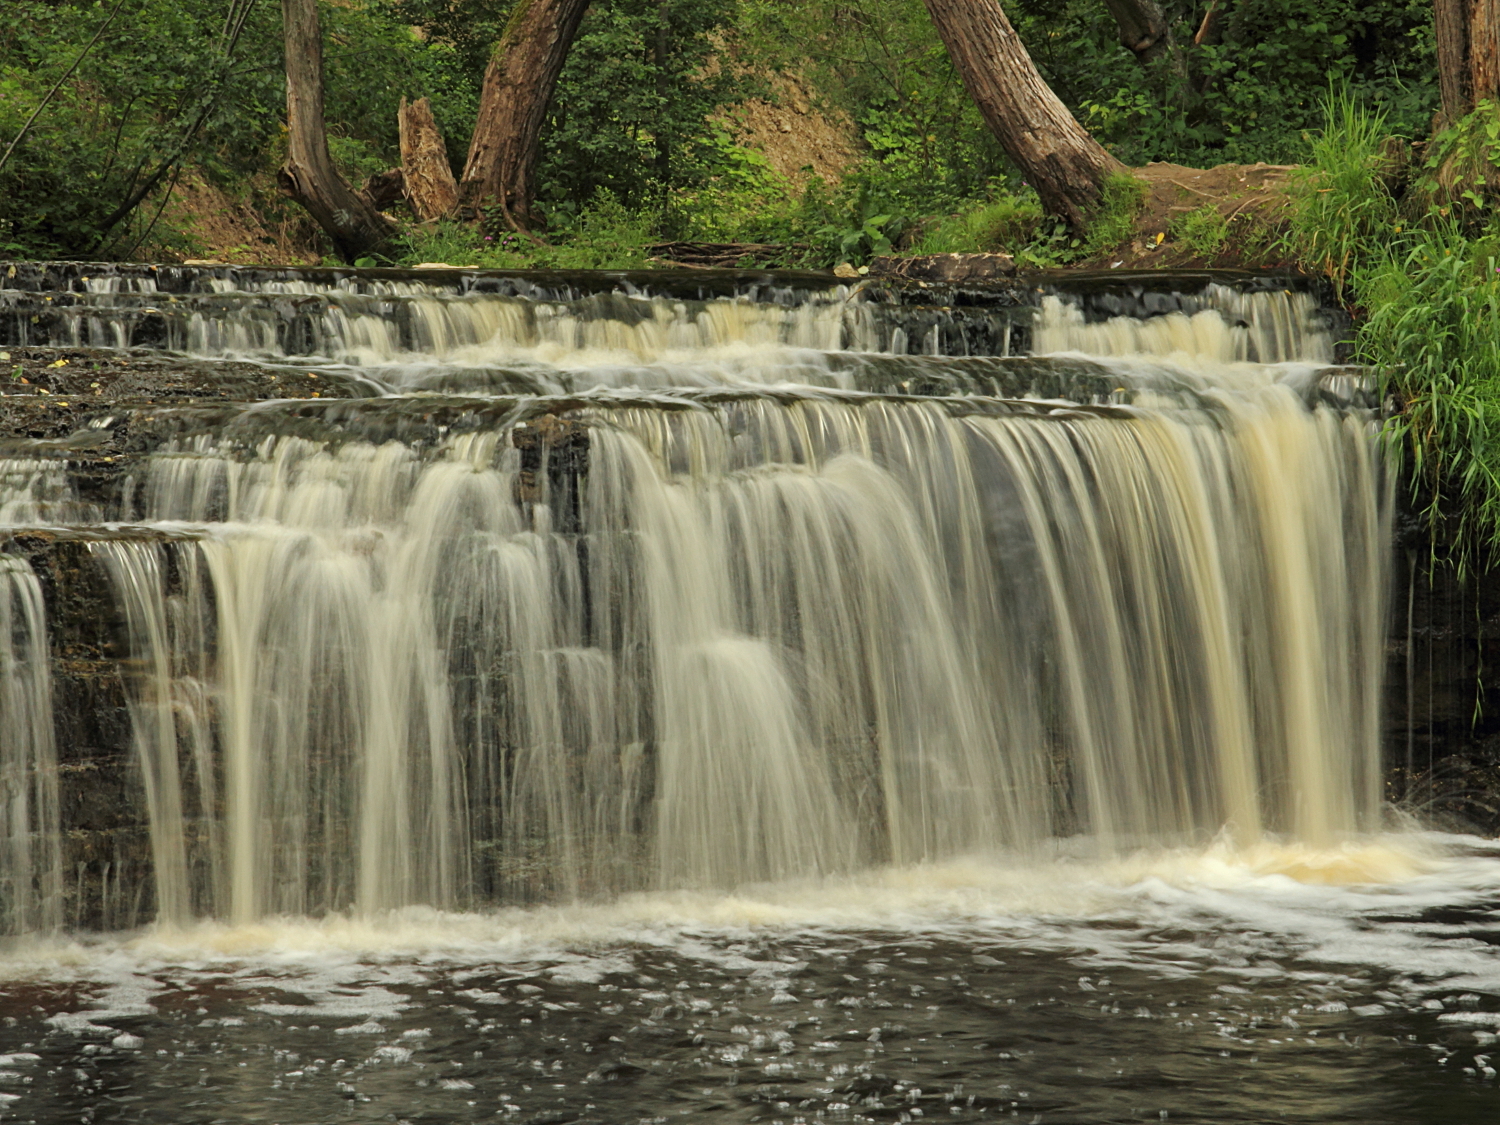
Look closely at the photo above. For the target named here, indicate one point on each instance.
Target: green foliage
(1429, 287)
(1003, 224)
(157, 81)
(881, 63)
(631, 113)
(1120, 202)
(1460, 171)
(606, 235)
(631, 107)
(1434, 305)
(1203, 230)
(1343, 214)
(743, 200)
(1251, 95)
(168, 86)
(650, 117)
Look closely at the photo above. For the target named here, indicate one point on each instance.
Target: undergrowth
(1421, 272)
(1343, 216)
(604, 236)
(1204, 230)
(819, 227)
(1114, 222)
(1003, 224)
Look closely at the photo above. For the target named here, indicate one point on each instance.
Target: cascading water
(30, 856)
(709, 640)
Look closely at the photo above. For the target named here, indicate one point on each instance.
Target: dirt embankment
(213, 225)
(1227, 216)
(798, 137)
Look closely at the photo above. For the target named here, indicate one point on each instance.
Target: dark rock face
(105, 848)
(1442, 694)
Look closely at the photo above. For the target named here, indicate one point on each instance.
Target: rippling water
(1280, 984)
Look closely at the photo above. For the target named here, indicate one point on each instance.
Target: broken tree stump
(430, 186)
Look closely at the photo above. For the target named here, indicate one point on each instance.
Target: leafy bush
(881, 63)
(1434, 304)
(168, 86)
(1251, 91)
(1462, 170)
(605, 235)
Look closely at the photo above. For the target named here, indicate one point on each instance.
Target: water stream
(621, 699)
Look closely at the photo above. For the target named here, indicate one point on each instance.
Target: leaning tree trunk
(518, 84)
(1065, 165)
(1144, 28)
(1468, 51)
(309, 176)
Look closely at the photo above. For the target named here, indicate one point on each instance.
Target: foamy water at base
(1358, 983)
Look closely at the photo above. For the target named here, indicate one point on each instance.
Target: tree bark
(1451, 24)
(518, 84)
(1144, 29)
(308, 175)
(1065, 165)
(430, 187)
(661, 56)
(1468, 54)
(1484, 50)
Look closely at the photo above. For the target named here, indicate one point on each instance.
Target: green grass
(1343, 215)
(1003, 224)
(606, 236)
(1422, 278)
(1114, 222)
(1433, 305)
(1204, 230)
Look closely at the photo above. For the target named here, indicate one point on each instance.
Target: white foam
(1255, 917)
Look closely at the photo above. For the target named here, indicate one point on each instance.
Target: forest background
(658, 130)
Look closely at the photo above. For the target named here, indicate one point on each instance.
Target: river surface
(1268, 985)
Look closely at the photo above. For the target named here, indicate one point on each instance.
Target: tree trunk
(518, 84)
(661, 56)
(430, 186)
(1065, 165)
(1484, 50)
(1144, 29)
(309, 176)
(1451, 24)
(1468, 54)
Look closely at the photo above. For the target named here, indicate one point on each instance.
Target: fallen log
(725, 255)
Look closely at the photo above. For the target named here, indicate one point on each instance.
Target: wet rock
(94, 376)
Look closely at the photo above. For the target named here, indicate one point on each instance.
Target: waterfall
(30, 848)
(585, 592)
